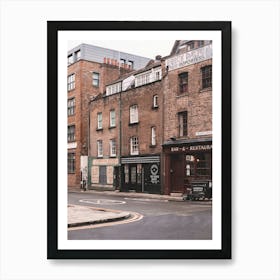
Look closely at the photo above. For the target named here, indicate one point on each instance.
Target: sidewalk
(83, 215)
(175, 197)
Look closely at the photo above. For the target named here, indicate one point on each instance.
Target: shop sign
(191, 148)
(190, 57)
(154, 171)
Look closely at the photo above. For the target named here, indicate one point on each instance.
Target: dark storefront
(141, 174)
(186, 161)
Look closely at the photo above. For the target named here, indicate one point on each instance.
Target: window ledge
(110, 127)
(99, 129)
(132, 124)
(153, 146)
(155, 107)
(182, 94)
(206, 89)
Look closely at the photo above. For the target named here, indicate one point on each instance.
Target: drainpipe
(120, 140)
(88, 146)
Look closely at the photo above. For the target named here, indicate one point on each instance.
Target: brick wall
(148, 117)
(197, 102)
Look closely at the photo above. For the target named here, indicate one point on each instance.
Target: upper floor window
(71, 82)
(71, 133)
(78, 55)
(183, 123)
(99, 148)
(190, 45)
(153, 136)
(130, 64)
(133, 113)
(113, 150)
(112, 118)
(71, 162)
(206, 76)
(70, 59)
(183, 82)
(71, 106)
(155, 101)
(150, 76)
(95, 79)
(99, 120)
(113, 89)
(134, 146)
(200, 44)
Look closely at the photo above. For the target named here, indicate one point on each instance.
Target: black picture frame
(53, 27)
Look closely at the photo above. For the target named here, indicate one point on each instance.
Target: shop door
(177, 173)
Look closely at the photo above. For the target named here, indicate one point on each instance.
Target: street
(160, 219)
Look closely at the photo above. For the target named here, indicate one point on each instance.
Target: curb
(130, 194)
(101, 221)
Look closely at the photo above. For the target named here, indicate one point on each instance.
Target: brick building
(90, 68)
(187, 147)
(151, 129)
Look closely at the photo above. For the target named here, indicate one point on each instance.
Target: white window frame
(133, 114)
(99, 148)
(70, 59)
(153, 136)
(94, 79)
(155, 101)
(99, 121)
(113, 148)
(71, 82)
(134, 145)
(112, 118)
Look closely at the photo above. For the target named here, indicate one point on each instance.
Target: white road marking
(102, 201)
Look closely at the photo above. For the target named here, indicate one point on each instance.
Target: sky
(146, 48)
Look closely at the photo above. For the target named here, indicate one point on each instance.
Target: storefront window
(203, 165)
(126, 174)
(139, 173)
(133, 174)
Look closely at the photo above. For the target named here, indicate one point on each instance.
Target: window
(71, 82)
(95, 79)
(190, 45)
(155, 101)
(126, 173)
(71, 133)
(157, 75)
(200, 44)
(133, 174)
(112, 89)
(71, 106)
(130, 64)
(71, 162)
(99, 148)
(183, 123)
(99, 120)
(113, 151)
(112, 118)
(206, 73)
(133, 113)
(153, 136)
(183, 82)
(134, 150)
(78, 55)
(103, 175)
(70, 59)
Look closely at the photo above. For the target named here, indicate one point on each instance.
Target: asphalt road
(162, 219)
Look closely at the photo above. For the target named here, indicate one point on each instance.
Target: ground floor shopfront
(141, 174)
(186, 162)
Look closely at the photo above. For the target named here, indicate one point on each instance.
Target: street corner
(84, 215)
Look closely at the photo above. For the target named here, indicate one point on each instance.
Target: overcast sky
(146, 48)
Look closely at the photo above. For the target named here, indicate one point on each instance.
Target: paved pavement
(84, 215)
